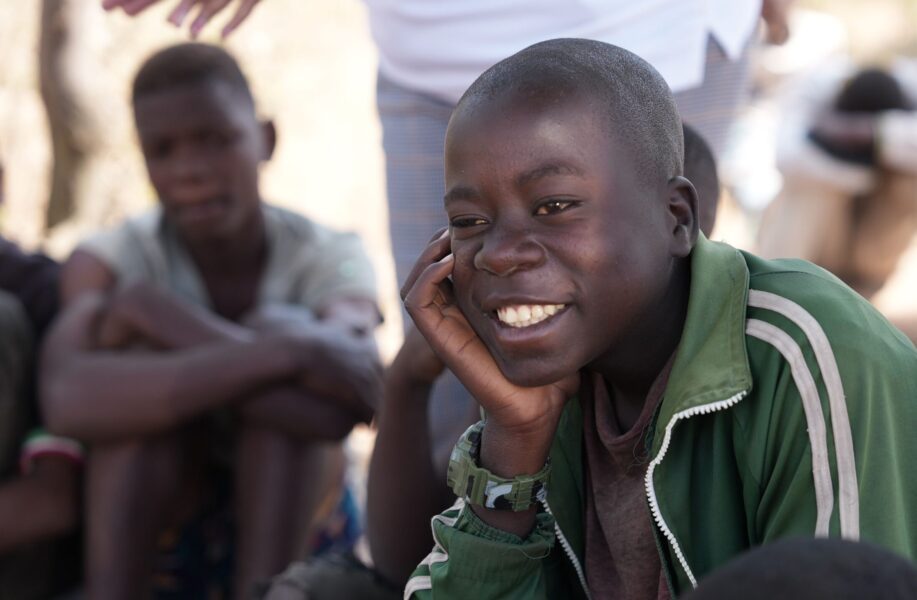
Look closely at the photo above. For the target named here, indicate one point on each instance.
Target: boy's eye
(467, 221)
(553, 207)
(214, 140)
(158, 149)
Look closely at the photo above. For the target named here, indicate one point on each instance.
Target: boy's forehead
(557, 125)
(209, 92)
(203, 101)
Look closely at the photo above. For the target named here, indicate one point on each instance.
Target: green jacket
(790, 410)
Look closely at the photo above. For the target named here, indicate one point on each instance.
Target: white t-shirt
(308, 265)
(439, 47)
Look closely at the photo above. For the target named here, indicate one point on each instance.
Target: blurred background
(65, 118)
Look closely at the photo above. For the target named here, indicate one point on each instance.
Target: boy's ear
(682, 214)
(269, 135)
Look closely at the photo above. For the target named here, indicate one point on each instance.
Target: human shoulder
(33, 279)
(834, 327)
(300, 231)
(319, 262)
(123, 246)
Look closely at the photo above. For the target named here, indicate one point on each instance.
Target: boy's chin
(531, 373)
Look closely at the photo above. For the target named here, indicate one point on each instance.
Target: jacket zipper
(568, 550)
(650, 487)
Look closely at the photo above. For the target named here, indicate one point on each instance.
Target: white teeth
(525, 315)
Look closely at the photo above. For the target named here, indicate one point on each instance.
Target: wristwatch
(478, 486)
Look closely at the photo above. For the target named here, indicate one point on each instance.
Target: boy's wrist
(509, 453)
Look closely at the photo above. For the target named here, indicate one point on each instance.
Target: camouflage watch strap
(480, 487)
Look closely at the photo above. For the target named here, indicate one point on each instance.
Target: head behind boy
(700, 169)
(563, 191)
(812, 569)
(201, 140)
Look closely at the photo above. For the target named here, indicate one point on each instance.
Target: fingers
(245, 9)
(431, 288)
(110, 4)
(208, 10)
(438, 247)
(181, 10)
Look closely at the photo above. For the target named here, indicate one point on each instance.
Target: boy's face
(203, 146)
(560, 253)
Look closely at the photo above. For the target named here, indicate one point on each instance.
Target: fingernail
(445, 234)
(449, 257)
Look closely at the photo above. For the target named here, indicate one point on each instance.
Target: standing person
(655, 403)
(214, 342)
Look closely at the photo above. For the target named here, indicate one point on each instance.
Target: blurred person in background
(216, 347)
(39, 473)
(847, 150)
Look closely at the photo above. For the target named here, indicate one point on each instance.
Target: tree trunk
(66, 68)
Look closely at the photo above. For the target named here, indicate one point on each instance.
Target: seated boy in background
(214, 330)
(39, 473)
(694, 400)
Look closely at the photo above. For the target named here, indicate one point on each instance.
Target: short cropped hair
(700, 169)
(637, 101)
(870, 91)
(189, 64)
(812, 569)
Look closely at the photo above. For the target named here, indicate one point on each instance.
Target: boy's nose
(506, 252)
(189, 165)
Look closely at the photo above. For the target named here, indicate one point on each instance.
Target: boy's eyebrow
(546, 170)
(459, 193)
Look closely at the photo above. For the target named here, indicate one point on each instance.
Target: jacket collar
(711, 362)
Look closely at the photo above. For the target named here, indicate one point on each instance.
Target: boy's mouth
(526, 315)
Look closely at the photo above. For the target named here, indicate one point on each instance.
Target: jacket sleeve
(835, 456)
(471, 559)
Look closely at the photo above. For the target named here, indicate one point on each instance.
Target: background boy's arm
(404, 490)
(340, 371)
(91, 391)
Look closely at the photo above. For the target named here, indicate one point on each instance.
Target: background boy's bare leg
(281, 481)
(133, 489)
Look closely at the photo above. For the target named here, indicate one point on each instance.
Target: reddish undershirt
(622, 561)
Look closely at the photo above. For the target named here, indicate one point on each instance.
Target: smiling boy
(214, 333)
(656, 403)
